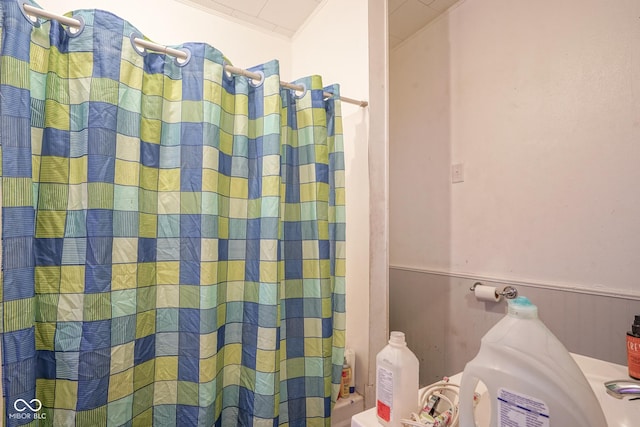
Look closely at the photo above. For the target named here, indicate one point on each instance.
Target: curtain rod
(41, 13)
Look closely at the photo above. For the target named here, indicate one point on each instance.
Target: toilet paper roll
(486, 293)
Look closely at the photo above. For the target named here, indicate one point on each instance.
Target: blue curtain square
(18, 345)
(18, 283)
(189, 321)
(190, 226)
(16, 162)
(189, 343)
(18, 251)
(191, 180)
(190, 248)
(101, 169)
(224, 164)
(167, 343)
(99, 222)
(252, 270)
(103, 125)
(48, 252)
(188, 369)
(145, 349)
(246, 412)
(68, 337)
(294, 308)
(150, 154)
(92, 393)
(188, 415)
(95, 363)
(147, 249)
(56, 142)
(18, 221)
(190, 273)
(95, 335)
(191, 142)
(99, 250)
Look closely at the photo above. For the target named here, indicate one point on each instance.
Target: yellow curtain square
(124, 276)
(58, 116)
(269, 271)
(145, 323)
(266, 361)
(271, 186)
(208, 273)
(72, 279)
(66, 394)
(77, 170)
(207, 369)
(146, 274)
(47, 279)
(54, 169)
(165, 392)
(148, 178)
(150, 130)
(235, 271)
(127, 173)
(239, 188)
(130, 74)
(121, 385)
(208, 345)
(169, 180)
(143, 374)
(148, 225)
(172, 89)
(232, 354)
(166, 368)
(210, 180)
(168, 272)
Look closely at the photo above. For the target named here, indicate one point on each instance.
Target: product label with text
(384, 391)
(519, 410)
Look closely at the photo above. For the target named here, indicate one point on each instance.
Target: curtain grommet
(226, 74)
(255, 83)
(33, 20)
(139, 49)
(75, 32)
(297, 94)
(182, 62)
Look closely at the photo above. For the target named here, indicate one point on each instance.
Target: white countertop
(619, 412)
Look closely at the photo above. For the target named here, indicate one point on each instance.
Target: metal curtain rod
(41, 13)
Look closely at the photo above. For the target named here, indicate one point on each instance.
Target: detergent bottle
(531, 379)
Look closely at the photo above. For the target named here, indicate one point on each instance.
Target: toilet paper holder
(508, 292)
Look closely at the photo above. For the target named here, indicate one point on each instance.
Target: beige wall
(541, 102)
(172, 22)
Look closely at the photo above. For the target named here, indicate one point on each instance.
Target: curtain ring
(304, 91)
(139, 49)
(182, 62)
(33, 20)
(75, 32)
(255, 83)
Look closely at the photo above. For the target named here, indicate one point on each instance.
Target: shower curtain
(172, 236)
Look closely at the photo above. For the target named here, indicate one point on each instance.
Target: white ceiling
(286, 17)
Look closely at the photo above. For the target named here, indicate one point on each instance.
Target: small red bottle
(633, 349)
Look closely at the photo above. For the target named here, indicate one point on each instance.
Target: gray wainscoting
(444, 322)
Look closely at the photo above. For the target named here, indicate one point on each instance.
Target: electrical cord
(432, 414)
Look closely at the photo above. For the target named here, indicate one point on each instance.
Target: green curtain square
(148, 201)
(190, 202)
(120, 412)
(104, 90)
(93, 417)
(125, 198)
(97, 306)
(189, 296)
(187, 393)
(100, 195)
(146, 298)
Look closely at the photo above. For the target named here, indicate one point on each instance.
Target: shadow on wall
(445, 322)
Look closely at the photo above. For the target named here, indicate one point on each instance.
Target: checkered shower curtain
(172, 237)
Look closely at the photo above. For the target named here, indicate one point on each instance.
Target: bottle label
(519, 410)
(384, 392)
(633, 359)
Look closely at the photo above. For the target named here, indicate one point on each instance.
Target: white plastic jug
(397, 370)
(531, 379)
